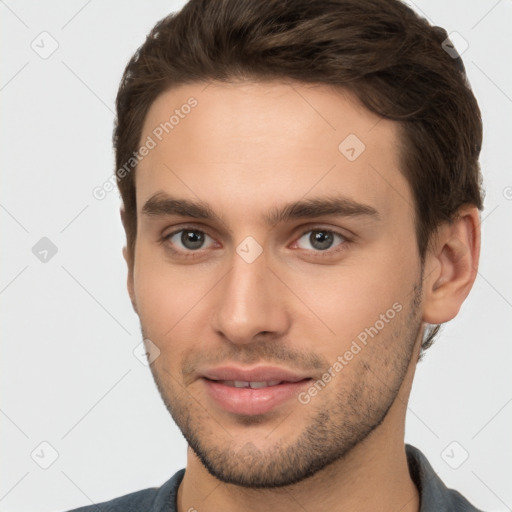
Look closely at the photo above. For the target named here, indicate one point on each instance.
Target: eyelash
(321, 254)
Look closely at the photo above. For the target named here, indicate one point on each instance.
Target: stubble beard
(336, 426)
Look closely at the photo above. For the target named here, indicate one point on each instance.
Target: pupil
(192, 239)
(321, 239)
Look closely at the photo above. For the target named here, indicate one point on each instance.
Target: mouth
(250, 384)
(254, 391)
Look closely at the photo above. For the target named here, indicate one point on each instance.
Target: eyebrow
(161, 204)
(317, 207)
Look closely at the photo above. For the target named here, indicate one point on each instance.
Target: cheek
(167, 295)
(351, 298)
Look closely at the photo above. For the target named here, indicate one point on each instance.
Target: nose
(250, 302)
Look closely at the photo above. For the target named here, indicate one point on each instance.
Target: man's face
(269, 253)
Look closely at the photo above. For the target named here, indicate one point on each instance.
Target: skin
(246, 150)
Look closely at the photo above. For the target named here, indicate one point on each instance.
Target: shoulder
(434, 495)
(155, 499)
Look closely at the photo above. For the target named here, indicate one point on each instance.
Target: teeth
(256, 385)
(252, 385)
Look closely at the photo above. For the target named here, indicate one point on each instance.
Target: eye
(320, 240)
(189, 239)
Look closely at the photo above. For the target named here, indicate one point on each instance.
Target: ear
(451, 265)
(129, 263)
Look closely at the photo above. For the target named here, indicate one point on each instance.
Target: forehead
(262, 143)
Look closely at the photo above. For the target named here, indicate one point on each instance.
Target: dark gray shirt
(434, 495)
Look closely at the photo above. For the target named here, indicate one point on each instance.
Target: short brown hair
(393, 60)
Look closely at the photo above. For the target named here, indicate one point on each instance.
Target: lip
(250, 401)
(257, 373)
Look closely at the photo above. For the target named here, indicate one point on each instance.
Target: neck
(365, 482)
(374, 477)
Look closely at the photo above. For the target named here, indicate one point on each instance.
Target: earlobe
(451, 266)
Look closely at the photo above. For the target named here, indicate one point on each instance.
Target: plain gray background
(68, 373)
